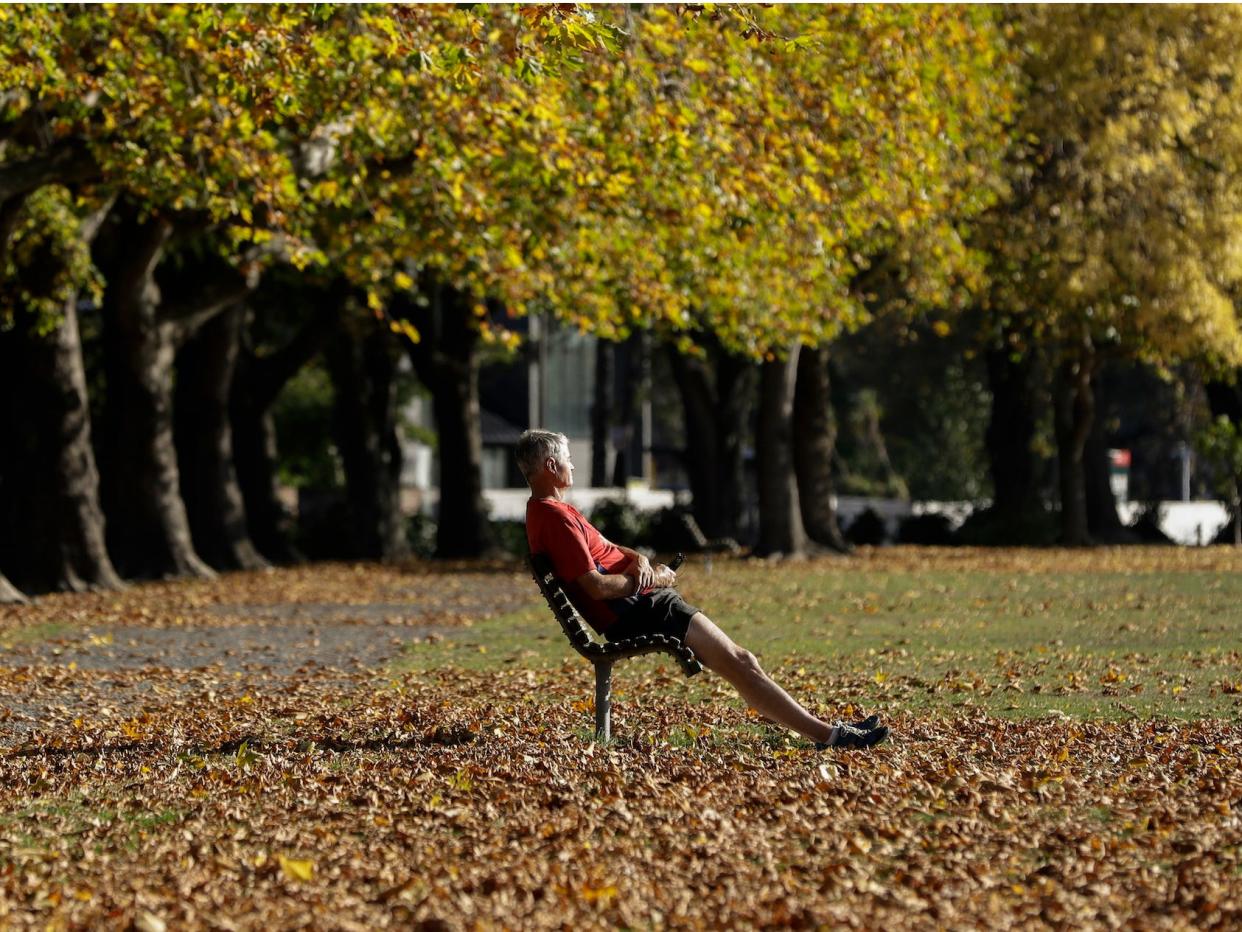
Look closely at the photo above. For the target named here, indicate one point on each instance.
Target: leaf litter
(160, 796)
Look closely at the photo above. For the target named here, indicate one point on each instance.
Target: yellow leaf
(403, 281)
(295, 869)
(880, 678)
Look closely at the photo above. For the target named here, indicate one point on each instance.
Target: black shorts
(662, 611)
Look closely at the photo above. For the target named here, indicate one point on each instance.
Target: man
(621, 595)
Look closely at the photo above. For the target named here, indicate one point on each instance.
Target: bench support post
(603, 700)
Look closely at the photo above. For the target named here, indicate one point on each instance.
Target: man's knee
(747, 661)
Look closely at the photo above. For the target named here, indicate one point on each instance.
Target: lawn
(367, 747)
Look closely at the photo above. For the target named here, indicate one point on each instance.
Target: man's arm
(604, 586)
(639, 567)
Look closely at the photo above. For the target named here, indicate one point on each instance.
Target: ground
(359, 747)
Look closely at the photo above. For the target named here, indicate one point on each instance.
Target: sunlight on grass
(1105, 634)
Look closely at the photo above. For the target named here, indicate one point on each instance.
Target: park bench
(602, 655)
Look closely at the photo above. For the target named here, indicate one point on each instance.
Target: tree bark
(148, 531)
(1103, 522)
(716, 395)
(602, 414)
(780, 515)
(204, 439)
(362, 362)
(257, 382)
(9, 594)
(54, 527)
(814, 443)
(1225, 398)
(1010, 435)
(446, 360)
(1075, 409)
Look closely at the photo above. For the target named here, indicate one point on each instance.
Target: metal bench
(603, 655)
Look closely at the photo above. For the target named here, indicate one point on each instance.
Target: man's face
(562, 469)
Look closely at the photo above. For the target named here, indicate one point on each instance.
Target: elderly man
(621, 595)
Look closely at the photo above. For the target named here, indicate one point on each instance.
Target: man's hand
(640, 568)
(665, 578)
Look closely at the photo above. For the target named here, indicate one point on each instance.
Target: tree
(1120, 237)
(53, 526)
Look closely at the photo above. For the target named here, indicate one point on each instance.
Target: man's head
(543, 457)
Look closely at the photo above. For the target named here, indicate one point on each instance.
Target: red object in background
(1120, 458)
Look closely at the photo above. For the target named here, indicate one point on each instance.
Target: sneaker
(850, 737)
(864, 724)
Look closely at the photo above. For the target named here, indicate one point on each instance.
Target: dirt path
(116, 656)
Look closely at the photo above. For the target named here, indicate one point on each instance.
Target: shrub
(510, 536)
(867, 528)
(928, 530)
(421, 534)
(620, 521)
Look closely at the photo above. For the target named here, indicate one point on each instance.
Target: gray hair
(535, 446)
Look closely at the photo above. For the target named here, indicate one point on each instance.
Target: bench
(603, 655)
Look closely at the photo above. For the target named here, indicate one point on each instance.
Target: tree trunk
(446, 360)
(780, 515)
(1010, 436)
(1075, 409)
(54, 530)
(213, 500)
(62, 534)
(148, 532)
(362, 362)
(602, 413)
(257, 382)
(148, 529)
(1225, 398)
(716, 396)
(1103, 522)
(9, 595)
(814, 442)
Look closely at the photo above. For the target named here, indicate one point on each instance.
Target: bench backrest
(571, 622)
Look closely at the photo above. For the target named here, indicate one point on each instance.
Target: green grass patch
(1081, 634)
(29, 634)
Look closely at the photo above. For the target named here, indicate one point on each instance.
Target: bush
(928, 530)
(510, 536)
(867, 528)
(421, 535)
(620, 521)
(1032, 528)
(672, 529)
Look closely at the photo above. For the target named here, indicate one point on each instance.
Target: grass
(28, 634)
(1092, 634)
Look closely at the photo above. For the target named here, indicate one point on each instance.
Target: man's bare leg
(741, 668)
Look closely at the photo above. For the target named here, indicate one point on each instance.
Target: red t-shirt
(575, 547)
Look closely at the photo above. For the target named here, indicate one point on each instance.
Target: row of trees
(232, 191)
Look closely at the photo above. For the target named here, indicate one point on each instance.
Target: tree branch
(64, 163)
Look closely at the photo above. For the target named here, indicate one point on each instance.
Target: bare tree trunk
(1225, 398)
(9, 595)
(204, 439)
(814, 443)
(716, 396)
(602, 413)
(1075, 409)
(257, 382)
(446, 360)
(780, 515)
(1010, 436)
(1103, 522)
(55, 536)
(362, 362)
(148, 531)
